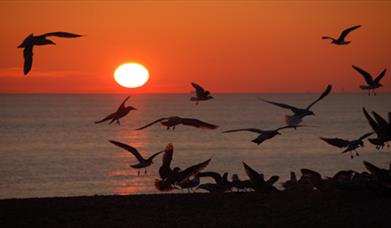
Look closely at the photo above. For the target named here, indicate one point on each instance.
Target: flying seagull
(142, 162)
(29, 42)
(121, 112)
(341, 39)
(350, 145)
(263, 134)
(381, 127)
(300, 113)
(371, 84)
(171, 122)
(201, 94)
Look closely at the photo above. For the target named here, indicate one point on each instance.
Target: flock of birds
(189, 178)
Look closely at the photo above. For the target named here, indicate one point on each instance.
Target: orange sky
(225, 46)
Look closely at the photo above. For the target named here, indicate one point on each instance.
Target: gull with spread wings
(121, 112)
(350, 145)
(142, 162)
(300, 113)
(381, 127)
(372, 84)
(201, 94)
(31, 41)
(341, 39)
(173, 121)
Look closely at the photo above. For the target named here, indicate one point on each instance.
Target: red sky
(225, 46)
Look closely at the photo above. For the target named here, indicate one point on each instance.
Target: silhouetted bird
(31, 41)
(350, 145)
(143, 163)
(382, 175)
(371, 84)
(201, 94)
(176, 120)
(381, 128)
(300, 113)
(341, 39)
(240, 184)
(258, 182)
(263, 134)
(221, 182)
(165, 169)
(189, 184)
(121, 112)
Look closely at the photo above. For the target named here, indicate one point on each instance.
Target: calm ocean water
(49, 145)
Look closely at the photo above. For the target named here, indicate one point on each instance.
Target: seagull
(143, 163)
(221, 182)
(201, 94)
(341, 39)
(258, 182)
(171, 122)
(371, 84)
(189, 184)
(381, 127)
(263, 134)
(300, 113)
(382, 175)
(240, 184)
(350, 145)
(121, 112)
(29, 42)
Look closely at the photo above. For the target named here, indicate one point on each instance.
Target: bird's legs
(118, 122)
(138, 172)
(374, 92)
(145, 172)
(357, 154)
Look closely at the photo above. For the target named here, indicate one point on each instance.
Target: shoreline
(244, 209)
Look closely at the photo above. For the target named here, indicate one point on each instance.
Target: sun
(131, 75)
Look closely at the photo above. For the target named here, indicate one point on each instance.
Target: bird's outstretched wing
(216, 176)
(323, 95)
(272, 180)
(197, 123)
(131, 149)
(280, 104)
(327, 37)
(245, 129)
(381, 75)
(341, 143)
(371, 121)
(165, 169)
(199, 90)
(62, 34)
(28, 59)
(365, 136)
(152, 123)
(254, 176)
(289, 126)
(122, 106)
(192, 170)
(345, 32)
(109, 117)
(382, 124)
(366, 75)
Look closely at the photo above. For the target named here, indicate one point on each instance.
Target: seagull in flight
(263, 134)
(350, 145)
(121, 112)
(142, 162)
(31, 41)
(173, 121)
(341, 39)
(381, 127)
(201, 94)
(371, 84)
(300, 113)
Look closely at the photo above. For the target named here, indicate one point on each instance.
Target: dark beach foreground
(284, 209)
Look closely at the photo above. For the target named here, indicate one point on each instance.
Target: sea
(50, 146)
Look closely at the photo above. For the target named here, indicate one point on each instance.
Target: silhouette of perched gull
(371, 84)
(171, 122)
(222, 184)
(121, 112)
(381, 127)
(189, 184)
(300, 113)
(240, 184)
(341, 39)
(143, 163)
(263, 134)
(30, 41)
(201, 94)
(258, 182)
(350, 145)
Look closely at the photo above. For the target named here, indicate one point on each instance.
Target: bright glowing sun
(131, 75)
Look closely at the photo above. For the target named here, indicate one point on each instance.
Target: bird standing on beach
(143, 163)
(201, 94)
(381, 127)
(31, 41)
(171, 122)
(371, 84)
(341, 39)
(258, 182)
(121, 112)
(350, 145)
(300, 113)
(263, 134)
(222, 184)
